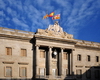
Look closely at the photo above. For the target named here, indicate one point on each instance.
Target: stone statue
(56, 28)
(55, 31)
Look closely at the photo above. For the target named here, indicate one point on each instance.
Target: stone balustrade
(87, 43)
(14, 32)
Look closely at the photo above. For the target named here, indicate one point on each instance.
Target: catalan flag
(46, 16)
(56, 16)
(51, 14)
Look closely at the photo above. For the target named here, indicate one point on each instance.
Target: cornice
(54, 38)
(87, 44)
(14, 37)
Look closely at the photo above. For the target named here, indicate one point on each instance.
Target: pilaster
(50, 60)
(37, 62)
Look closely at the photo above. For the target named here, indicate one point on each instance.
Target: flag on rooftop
(56, 16)
(51, 14)
(46, 16)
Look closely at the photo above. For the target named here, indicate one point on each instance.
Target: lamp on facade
(55, 52)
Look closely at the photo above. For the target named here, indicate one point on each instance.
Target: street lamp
(55, 52)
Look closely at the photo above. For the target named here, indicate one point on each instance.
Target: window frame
(8, 50)
(65, 57)
(20, 72)
(88, 58)
(88, 74)
(79, 57)
(42, 55)
(79, 73)
(5, 69)
(97, 58)
(23, 52)
(97, 73)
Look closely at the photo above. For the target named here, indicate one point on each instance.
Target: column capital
(70, 50)
(62, 48)
(37, 45)
(73, 49)
(50, 46)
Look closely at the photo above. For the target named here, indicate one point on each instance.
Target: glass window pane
(8, 71)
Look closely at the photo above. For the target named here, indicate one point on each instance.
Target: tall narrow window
(88, 58)
(42, 53)
(88, 73)
(23, 72)
(66, 72)
(79, 57)
(23, 52)
(65, 56)
(8, 71)
(42, 72)
(79, 73)
(97, 74)
(8, 50)
(97, 58)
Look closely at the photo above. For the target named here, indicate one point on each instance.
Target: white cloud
(80, 14)
(2, 4)
(74, 14)
(2, 14)
(20, 23)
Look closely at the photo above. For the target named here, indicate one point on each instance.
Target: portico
(54, 48)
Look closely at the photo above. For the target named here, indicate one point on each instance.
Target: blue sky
(78, 17)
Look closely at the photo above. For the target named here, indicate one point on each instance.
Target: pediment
(54, 31)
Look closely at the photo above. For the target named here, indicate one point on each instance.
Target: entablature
(87, 44)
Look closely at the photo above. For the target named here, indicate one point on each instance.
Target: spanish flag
(46, 16)
(56, 16)
(51, 14)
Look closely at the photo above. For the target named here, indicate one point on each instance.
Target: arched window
(88, 58)
(79, 57)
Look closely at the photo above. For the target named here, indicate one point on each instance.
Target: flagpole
(60, 19)
(46, 19)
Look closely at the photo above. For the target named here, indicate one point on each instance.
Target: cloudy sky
(78, 17)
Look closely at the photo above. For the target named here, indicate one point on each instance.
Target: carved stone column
(60, 62)
(37, 63)
(69, 62)
(50, 60)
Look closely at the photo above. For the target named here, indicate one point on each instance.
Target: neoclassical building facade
(49, 54)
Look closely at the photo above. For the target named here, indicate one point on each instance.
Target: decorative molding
(6, 62)
(79, 66)
(22, 63)
(54, 31)
(87, 66)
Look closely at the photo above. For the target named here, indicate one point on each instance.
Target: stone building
(49, 54)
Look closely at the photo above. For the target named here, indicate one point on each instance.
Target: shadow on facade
(92, 73)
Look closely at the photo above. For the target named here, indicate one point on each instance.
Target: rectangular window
(42, 72)
(88, 58)
(65, 56)
(42, 53)
(97, 58)
(8, 71)
(23, 72)
(88, 74)
(79, 57)
(79, 73)
(97, 74)
(66, 72)
(8, 50)
(23, 52)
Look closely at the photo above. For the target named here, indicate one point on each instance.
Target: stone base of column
(37, 76)
(50, 76)
(62, 76)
